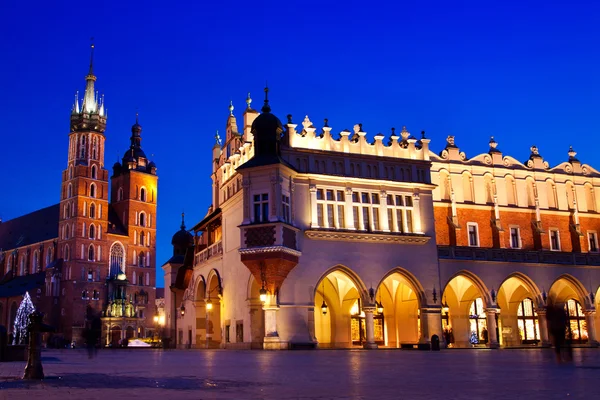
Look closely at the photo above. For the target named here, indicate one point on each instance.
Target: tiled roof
(21, 284)
(34, 227)
(114, 223)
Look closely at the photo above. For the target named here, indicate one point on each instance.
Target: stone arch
(358, 282)
(339, 297)
(199, 288)
(477, 282)
(399, 299)
(559, 291)
(529, 284)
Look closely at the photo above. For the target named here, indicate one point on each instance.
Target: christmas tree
(22, 320)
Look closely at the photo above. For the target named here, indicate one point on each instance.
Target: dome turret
(182, 239)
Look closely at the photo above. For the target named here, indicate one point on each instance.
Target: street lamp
(379, 307)
(263, 294)
(324, 308)
(209, 304)
(156, 318)
(182, 309)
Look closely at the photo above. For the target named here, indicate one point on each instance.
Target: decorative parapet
(268, 235)
(518, 256)
(366, 237)
(211, 251)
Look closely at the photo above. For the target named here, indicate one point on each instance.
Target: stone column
(107, 334)
(416, 222)
(271, 340)
(370, 327)
(313, 206)
(491, 328)
(383, 214)
(431, 324)
(543, 325)
(349, 217)
(590, 319)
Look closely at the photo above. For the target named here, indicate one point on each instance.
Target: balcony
(519, 256)
(211, 251)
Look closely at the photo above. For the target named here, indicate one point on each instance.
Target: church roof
(21, 284)
(114, 223)
(35, 227)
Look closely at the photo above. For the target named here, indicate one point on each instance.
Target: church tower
(133, 199)
(83, 210)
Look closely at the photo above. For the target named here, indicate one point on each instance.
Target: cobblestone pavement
(356, 374)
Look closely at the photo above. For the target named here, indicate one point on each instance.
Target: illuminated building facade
(316, 240)
(91, 255)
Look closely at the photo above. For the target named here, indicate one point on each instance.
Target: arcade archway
(465, 322)
(339, 319)
(398, 298)
(568, 293)
(213, 310)
(519, 299)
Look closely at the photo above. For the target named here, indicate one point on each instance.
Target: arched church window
(142, 219)
(95, 149)
(22, 266)
(92, 231)
(527, 320)
(67, 231)
(478, 324)
(36, 260)
(67, 252)
(91, 253)
(92, 211)
(48, 256)
(577, 325)
(117, 259)
(141, 280)
(70, 172)
(94, 172)
(141, 258)
(120, 194)
(92, 190)
(143, 194)
(69, 191)
(142, 237)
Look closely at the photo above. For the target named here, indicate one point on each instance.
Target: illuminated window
(478, 323)
(577, 325)
(90, 276)
(527, 320)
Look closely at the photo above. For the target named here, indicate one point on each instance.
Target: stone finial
(405, 133)
(356, 129)
(326, 123)
(231, 108)
(360, 128)
(572, 154)
(218, 139)
(289, 118)
(534, 150)
(306, 123)
(249, 101)
(450, 141)
(423, 135)
(393, 131)
(493, 143)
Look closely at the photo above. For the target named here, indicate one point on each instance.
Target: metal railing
(209, 252)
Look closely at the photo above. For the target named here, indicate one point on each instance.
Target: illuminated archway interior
(463, 316)
(200, 307)
(564, 293)
(334, 323)
(400, 320)
(519, 321)
(213, 313)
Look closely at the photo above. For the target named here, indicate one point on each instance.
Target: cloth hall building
(92, 255)
(322, 240)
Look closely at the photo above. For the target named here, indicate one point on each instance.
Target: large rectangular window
(330, 208)
(261, 207)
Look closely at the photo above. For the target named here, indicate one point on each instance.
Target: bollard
(34, 369)
(435, 343)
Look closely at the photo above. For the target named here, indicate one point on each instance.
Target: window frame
(476, 226)
(263, 200)
(593, 234)
(557, 231)
(519, 239)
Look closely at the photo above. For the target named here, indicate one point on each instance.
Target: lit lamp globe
(380, 308)
(182, 309)
(121, 277)
(263, 294)
(324, 308)
(155, 319)
(209, 304)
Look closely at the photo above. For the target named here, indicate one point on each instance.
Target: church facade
(316, 240)
(92, 255)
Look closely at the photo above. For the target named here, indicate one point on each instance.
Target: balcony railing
(520, 256)
(209, 252)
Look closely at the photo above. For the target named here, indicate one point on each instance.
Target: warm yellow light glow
(209, 305)
(354, 309)
(263, 295)
(155, 319)
(161, 320)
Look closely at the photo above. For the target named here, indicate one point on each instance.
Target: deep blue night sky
(526, 74)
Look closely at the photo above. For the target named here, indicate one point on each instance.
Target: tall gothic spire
(90, 103)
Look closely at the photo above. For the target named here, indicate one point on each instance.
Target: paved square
(334, 374)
